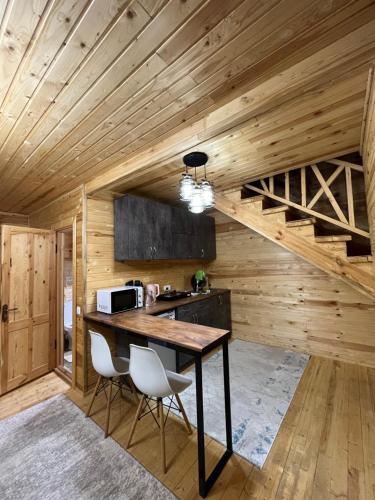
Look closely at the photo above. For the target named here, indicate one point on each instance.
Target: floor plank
(30, 394)
(325, 447)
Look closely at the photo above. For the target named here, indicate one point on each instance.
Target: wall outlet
(167, 288)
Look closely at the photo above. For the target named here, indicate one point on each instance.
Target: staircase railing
(343, 167)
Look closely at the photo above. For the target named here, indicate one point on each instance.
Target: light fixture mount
(195, 159)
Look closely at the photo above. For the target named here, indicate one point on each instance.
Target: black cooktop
(173, 295)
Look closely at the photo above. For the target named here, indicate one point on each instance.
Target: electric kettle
(152, 291)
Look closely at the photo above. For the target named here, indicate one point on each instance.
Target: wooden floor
(30, 394)
(325, 448)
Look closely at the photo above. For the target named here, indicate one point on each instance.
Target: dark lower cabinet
(146, 229)
(214, 311)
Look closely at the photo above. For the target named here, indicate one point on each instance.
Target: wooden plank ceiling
(87, 84)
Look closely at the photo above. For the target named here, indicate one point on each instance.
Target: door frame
(6, 230)
(59, 320)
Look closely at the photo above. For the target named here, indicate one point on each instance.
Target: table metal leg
(228, 414)
(200, 426)
(206, 485)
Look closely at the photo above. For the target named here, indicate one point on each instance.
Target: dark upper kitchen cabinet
(146, 229)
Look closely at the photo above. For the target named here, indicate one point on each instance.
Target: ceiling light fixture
(198, 195)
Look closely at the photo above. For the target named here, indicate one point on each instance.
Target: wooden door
(27, 330)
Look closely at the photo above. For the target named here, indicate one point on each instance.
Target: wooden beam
(271, 184)
(308, 250)
(264, 185)
(303, 187)
(310, 212)
(369, 88)
(349, 195)
(287, 186)
(329, 181)
(343, 163)
(329, 194)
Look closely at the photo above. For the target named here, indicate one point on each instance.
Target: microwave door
(123, 300)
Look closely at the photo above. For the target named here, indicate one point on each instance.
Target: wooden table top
(190, 336)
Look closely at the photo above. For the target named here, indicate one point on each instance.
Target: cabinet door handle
(155, 250)
(220, 300)
(202, 252)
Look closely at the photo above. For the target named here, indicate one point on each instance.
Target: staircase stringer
(332, 264)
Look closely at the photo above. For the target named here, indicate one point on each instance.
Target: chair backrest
(148, 373)
(101, 355)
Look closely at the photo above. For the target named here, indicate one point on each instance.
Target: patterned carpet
(263, 380)
(51, 451)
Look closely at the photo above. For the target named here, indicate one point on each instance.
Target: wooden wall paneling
(68, 211)
(307, 249)
(368, 154)
(68, 111)
(103, 271)
(279, 299)
(14, 219)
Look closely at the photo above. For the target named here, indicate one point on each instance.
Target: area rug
(263, 380)
(52, 452)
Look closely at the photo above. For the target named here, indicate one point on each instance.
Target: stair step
(333, 238)
(252, 199)
(335, 247)
(360, 259)
(301, 222)
(275, 210)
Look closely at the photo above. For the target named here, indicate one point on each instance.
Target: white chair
(155, 382)
(111, 370)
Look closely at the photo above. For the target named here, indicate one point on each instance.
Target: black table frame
(204, 484)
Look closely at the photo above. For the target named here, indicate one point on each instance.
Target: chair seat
(177, 381)
(121, 365)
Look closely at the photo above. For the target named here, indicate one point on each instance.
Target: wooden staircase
(329, 253)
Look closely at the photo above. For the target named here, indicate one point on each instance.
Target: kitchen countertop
(163, 305)
(144, 322)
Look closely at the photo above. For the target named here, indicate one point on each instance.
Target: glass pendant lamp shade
(199, 196)
(207, 194)
(186, 187)
(196, 205)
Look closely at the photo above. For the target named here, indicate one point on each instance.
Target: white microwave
(118, 299)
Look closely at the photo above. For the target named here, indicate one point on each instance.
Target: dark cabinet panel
(214, 311)
(146, 229)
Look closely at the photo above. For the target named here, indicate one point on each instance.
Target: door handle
(202, 252)
(5, 312)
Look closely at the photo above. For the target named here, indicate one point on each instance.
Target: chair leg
(133, 389)
(94, 395)
(162, 435)
(108, 409)
(183, 413)
(135, 421)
